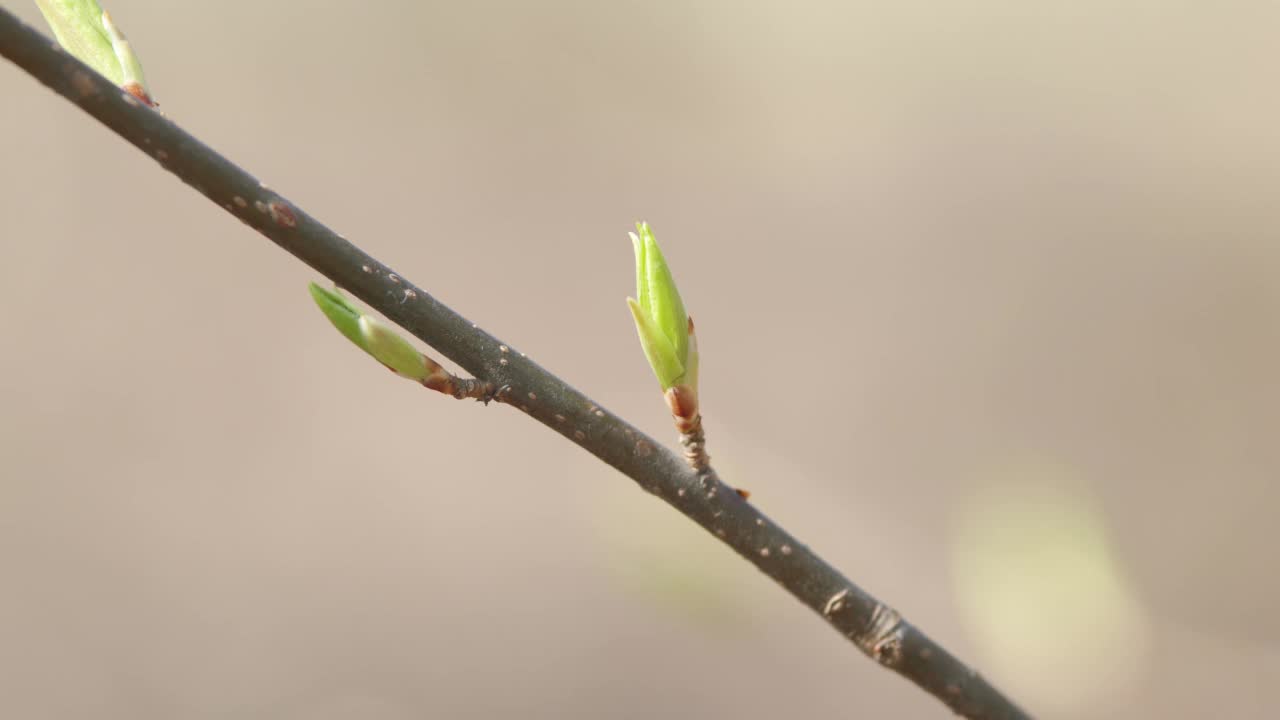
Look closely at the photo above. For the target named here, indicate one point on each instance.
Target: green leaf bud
(661, 321)
(374, 337)
(86, 31)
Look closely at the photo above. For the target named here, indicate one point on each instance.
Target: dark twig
(874, 627)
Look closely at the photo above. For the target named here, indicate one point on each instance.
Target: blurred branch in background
(872, 626)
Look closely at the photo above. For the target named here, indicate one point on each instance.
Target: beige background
(988, 295)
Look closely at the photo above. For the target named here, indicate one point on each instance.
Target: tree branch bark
(872, 626)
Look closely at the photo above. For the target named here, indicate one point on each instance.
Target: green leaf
(661, 321)
(392, 350)
(664, 303)
(343, 315)
(85, 31)
(130, 66)
(657, 349)
(374, 337)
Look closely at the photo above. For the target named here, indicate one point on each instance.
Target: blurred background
(988, 296)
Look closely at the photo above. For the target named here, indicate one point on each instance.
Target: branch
(872, 626)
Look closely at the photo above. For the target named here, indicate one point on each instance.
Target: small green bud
(661, 321)
(86, 31)
(374, 337)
